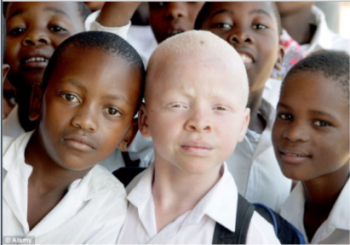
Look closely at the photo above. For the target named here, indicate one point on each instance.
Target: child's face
(250, 27)
(88, 107)
(170, 18)
(195, 112)
(34, 30)
(311, 131)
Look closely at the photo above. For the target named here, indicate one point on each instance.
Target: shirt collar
(96, 181)
(219, 203)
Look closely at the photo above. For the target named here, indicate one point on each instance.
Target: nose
(240, 36)
(296, 132)
(176, 10)
(198, 122)
(85, 119)
(36, 37)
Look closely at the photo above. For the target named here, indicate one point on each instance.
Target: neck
(172, 195)
(23, 100)
(321, 193)
(256, 123)
(298, 27)
(47, 175)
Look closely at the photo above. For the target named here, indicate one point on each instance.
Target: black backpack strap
(285, 231)
(243, 216)
(126, 174)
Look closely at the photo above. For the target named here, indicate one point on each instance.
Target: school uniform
(92, 211)
(11, 126)
(336, 229)
(193, 227)
(255, 168)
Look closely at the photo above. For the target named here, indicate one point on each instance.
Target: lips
(35, 59)
(79, 142)
(293, 155)
(197, 148)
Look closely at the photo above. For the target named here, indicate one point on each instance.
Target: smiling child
(311, 141)
(52, 188)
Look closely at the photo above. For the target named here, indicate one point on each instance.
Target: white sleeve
(92, 25)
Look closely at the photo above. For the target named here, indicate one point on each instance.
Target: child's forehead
(246, 8)
(69, 9)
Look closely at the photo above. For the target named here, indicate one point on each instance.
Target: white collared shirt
(324, 38)
(11, 126)
(93, 210)
(254, 166)
(195, 226)
(336, 229)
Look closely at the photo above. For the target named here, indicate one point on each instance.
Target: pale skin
(200, 116)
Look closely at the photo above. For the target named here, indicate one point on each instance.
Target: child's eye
(70, 97)
(321, 123)
(56, 29)
(284, 116)
(177, 106)
(16, 31)
(220, 108)
(113, 112)
(222, 25)
(259, 26)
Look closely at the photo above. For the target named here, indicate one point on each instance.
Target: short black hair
(106, 42)
(3, 36)
(332, 64)
(203, 14)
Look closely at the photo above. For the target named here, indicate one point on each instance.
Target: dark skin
(321, 195)
(85, 114)
(295, 18)
(307, 114)
(251, 28)
(34, 30)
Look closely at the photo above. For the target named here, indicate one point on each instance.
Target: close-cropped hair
(202, 42)
(106, 42)
(203, 14)
(332, 64)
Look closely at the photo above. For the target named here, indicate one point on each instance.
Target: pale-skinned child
(253, 29)
(196, 86)
(311, 141)
(53, 188)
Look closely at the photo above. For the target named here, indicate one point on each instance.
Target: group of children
(202, 105)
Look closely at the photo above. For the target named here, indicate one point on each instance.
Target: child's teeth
(246, 59)
(36, 59)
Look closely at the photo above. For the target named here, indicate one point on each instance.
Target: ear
(129, 136)
(245, 124)
(143, 121)
(280, 56)
(5, 70)
(36, 98)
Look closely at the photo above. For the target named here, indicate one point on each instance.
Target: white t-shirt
(336, 229)
(93, 210)
(195, 226)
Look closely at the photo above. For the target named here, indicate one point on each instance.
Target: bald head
(195, 50)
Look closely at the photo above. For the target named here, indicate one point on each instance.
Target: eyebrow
(51, 9)
(222, 11)
(313, 112)
(76, 84)
(260, 11)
